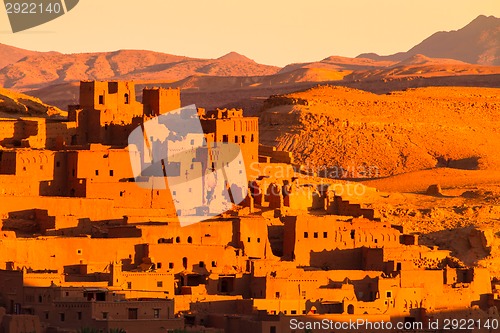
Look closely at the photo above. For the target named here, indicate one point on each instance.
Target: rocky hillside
(41, 70)
(420, 66)
(369, 135)
(11, 54)
(17, 104)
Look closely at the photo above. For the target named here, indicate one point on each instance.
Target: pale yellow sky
(272, 32)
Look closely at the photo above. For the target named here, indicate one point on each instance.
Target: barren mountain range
(473, 50)
(42, 69)
(476, 43)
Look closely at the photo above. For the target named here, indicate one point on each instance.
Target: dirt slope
(17, 104)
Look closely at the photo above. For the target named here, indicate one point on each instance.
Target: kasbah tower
(88, 244)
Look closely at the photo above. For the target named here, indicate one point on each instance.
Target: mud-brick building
(83, 304)
(108, 111)
(36, 132)
(322, 241)
(229, 126)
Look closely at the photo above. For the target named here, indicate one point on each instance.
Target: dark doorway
(132, 313)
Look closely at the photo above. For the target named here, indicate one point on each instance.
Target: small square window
(159, 284)
(201, 264)
(79, 315)
(158, 265)
(97, 172)
(248, 239)
(214, 263)
(111, 173)
(156, 313)
(306, 234)
(104, 315)
(325, 234)
(192, 142)
(129, 285)
(62, 317)
(258, 240)
(170, 265)
(389, 294)
(58, 164)
(315, 235)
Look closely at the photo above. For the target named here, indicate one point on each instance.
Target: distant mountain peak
(484, 18)
(420, 59)
(235, 56)
(476, 43)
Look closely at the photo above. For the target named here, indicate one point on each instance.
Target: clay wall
(144, 284)
(20, 324)
(11, 130)
(254, 237)
(11, 289)
(177, 258)
(157, 101)
(36, 132)
(299, 284)
(243, 131)
(215, 233)
(337, 206)
(306, 235)
(55, 253)
(275, 156)
(102, 165)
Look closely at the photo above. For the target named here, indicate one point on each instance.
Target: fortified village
(84, 245)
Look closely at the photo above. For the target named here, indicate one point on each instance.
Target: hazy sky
(269, 31)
